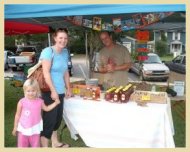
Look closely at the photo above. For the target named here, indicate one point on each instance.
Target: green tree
(26, 39)
(9, 41)
(163, 37)
(76, 41)
(94, 45)
(161, 47)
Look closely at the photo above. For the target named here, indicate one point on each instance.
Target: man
(114, 62)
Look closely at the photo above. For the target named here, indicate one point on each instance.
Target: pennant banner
(137, 21)
(87, 23)
(117, 24)
(107, 27)
(128, 25)
(76, 20)
(97, 23)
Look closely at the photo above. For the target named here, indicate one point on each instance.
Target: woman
(55, 70)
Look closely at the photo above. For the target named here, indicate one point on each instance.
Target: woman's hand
(68, 93)
(54, 95)
(57, 101)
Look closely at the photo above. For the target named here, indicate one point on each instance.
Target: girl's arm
(17, 116)
(51, 106)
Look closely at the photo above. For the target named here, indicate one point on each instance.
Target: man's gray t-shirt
(120, 55)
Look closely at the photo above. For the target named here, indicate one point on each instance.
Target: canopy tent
(45, 10)
(16, 28)
(54, 15)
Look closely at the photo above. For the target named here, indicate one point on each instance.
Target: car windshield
(153, 59)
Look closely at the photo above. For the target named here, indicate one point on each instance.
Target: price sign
(145, 98)
(179, 87)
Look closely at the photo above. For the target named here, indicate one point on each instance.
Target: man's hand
(110, 68)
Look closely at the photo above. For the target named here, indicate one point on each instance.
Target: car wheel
(141, 76)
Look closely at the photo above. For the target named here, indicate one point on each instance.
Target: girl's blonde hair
(32, 83)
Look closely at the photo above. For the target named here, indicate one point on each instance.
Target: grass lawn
(167, 58)
(12, 95)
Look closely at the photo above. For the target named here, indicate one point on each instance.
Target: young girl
(28, 121)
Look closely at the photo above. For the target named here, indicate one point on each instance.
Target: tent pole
(86, 46)
(49, 39)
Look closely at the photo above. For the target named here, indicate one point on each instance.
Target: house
(175, 36)
(151, 46)
(129, 43)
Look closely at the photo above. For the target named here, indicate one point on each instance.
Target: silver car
(152, 68)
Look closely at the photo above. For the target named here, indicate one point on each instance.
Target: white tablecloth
(102, 124)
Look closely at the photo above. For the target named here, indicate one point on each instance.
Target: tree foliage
(163, 37)
(161, 45)
(161, 48)
(40, 40)
(94, 45)
(9, 41)
(76, 42)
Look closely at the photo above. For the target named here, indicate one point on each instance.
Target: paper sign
(145, 98)
(179, 87)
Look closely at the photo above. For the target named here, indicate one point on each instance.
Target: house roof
(128, 37)
(166, 26)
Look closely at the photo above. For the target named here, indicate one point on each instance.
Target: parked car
(7, 53)
(26, 49)
(34, 49)
(178, 64)
(25, 56)
(152, 68)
